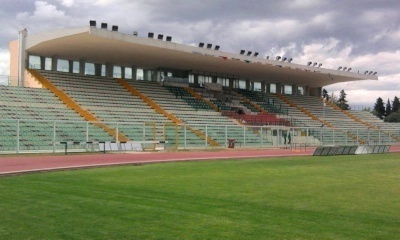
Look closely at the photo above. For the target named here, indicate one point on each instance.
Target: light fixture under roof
(242, 52)
(201, 45)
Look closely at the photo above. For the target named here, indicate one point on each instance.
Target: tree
(325, 94)
(388, 109)
(393, 117)
(342, 102)
(396, 104)
(379, 108)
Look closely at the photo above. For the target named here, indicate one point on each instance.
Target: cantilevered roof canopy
(103, 46)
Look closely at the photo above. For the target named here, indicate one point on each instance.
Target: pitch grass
(342, 197)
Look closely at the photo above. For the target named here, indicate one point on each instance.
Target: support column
(109, 70)
(214, 79)
(248, 84)
(134, 72)
(70, 66)
(42, 63)
(54, 61)
(196, 79)
(306, 91)
(263, 87)
(122, 72)
(97, 69)
(231, 82)
(278, 88)
(294, 89)
(82, 66)
(22, 57)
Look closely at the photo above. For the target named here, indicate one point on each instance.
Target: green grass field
(343, 197)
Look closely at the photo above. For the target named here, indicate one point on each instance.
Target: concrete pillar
(22, 56)
(97, 69)
(294, 89)
(278, 88)
(306, 91)
(316, 92)
(70, 66)
(263, 87)
(42, 63)
(82, 63)
(109, 70)
(248, 84)
(196, 79)
(214, 79)
(267, 87)
(122, 72)
(54, 61)
(134, 72)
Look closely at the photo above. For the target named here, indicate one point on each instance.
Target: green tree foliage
(379, 108)
(396, 104)
(388, 109)
(393, 117)
(342, 102)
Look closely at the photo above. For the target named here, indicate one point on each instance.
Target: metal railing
(23, 135)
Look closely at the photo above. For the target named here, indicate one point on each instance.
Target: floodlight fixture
(242, 52)
(284, 59)
(290, 60)
(349, 69)
(315, 64)
(344, 69)
(319, 65)
(278, 57)
(135, 33)
(255, 54)
(114, 28)
(267, 57)
(370, 72)
(339, 68)
(249, 53)
(169, 39)
(309, 63)
(160, 37)
(216, 47)
(150, 35)
(375, 73)
(201, 45)
(365, 72)
(92, 23)
(104, 25)
(209, 45)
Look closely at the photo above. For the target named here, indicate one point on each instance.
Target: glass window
(272, 88)
(34, 62)
(103, 70)
(117, 72)
(300, 91)
(62, 65)
(191, 78)
(47, 63)
(128, 73)
(75, 67)
(89, 68)
(139, 74)
(257, 86)
(242, 84)
(288, 89)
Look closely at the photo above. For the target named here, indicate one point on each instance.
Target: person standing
(289, 137)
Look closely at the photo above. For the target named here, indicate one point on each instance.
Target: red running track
(10, 165)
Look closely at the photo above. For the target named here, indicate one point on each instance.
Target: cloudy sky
(361, 34)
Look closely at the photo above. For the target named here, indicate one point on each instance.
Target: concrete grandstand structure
(92, 84)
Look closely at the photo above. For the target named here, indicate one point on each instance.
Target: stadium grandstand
(91, 86)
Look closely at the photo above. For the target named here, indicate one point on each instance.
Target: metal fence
(20, 136)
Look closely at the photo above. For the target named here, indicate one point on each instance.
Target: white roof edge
(32, 40)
